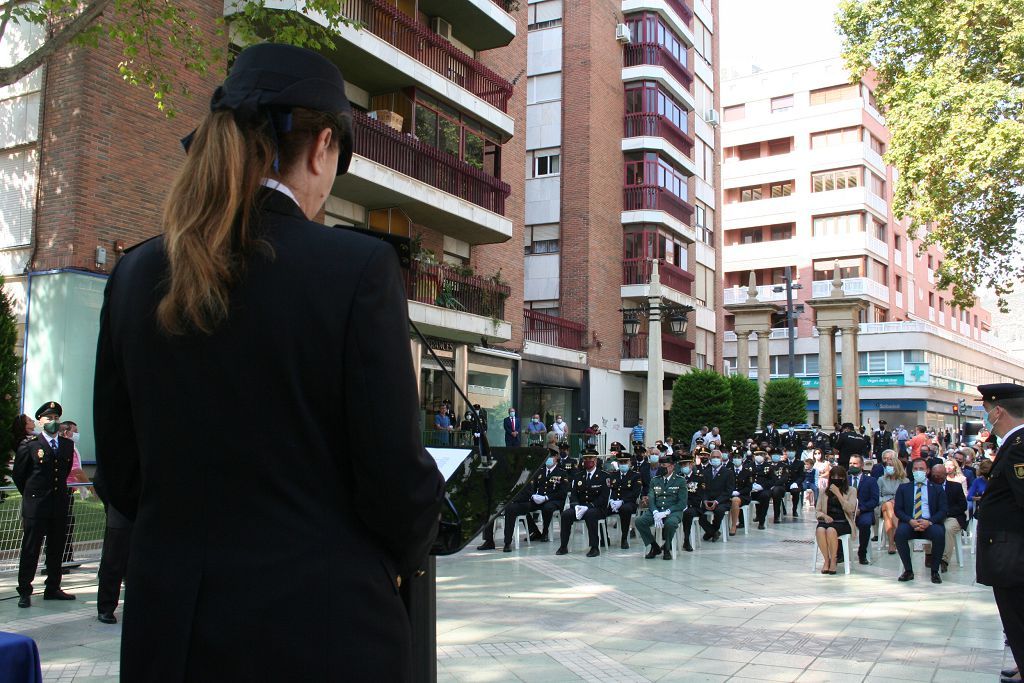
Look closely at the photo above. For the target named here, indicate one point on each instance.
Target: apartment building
(805, 187)
(621, 171)
(84, 167)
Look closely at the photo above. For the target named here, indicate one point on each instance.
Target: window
(835, 137)
(750, 194)
(931, 299)
(648, 97)
(704, 222)
(544, 88)
(783, 189)
(835, 93)
(876, 185)
(751, 151)
(782, 103)
(782, 232)
(931, 262)
(880, 230)
(942, 305)
(702, 43)
(781, 146)
(841, 224)
(541, 239)
(465, 138)
(649, 27)
(876, 145)
(708, 170)
(848, 267)
(734, 113)
(544, 15)
(546, 165)
(879, 271)
(630, 408)
(841, 179)
(751, 236)
(897, 242)
(899, 283)
(650, 169)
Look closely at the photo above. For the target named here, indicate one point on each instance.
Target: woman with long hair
(835, 509)
(893, 476)
(234, 350)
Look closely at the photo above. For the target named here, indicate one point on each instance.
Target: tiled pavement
(746, 610)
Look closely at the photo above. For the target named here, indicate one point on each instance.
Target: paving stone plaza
(746, 610)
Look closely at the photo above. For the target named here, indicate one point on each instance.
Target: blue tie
(53, 445)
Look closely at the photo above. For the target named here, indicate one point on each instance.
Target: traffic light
(956, 408)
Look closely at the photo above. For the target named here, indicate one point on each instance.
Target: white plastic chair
(520, 520)
(847, 559)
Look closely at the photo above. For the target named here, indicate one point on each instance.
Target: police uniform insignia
(1018, 469)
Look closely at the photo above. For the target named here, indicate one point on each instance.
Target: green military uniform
(666, 493)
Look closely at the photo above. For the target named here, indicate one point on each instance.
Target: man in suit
(867, 501)
(1000, 558)
(588, 501)
(513, 428)
(113, 561)
(231, 387)
(719, 482)
(41, 468)
(920, 507)
(956, 517)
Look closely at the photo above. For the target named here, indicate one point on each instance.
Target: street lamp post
(787, 276)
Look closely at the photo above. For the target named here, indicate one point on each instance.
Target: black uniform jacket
(744, 480)
(266, 545)
(1001, 518)
(41, 476)
(719, 487)
(555, 485)
(849, 445)
(626, 487)
(591, 491)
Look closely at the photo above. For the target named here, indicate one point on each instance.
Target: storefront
(551, 390)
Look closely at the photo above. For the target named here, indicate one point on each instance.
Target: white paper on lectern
(448, 459)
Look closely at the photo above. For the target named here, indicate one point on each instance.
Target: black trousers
(625, 513)
(113, 564)
(712, 527)
(53, 530)
(936, 533)
(796, 495)
(516, 508)
(778, 493)
(688, 514)
(1010, 601)
(69, 548)
(863, 538)
(591, 517)
(775, 494)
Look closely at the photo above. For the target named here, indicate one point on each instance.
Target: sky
(776, 34)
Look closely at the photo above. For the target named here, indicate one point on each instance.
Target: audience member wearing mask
(835, 511)
(893, 475)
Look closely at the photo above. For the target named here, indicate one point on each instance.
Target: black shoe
(594, 552)
(536, 535)
(653, 552)
(907, 576)
(732, 533)
(544, 538)
(562, 550)
(57, 595)
(507, 548)
(624, 545)
(486, 545)
(71, 564)
(1009, 673)
(667, 554)
(863, 560)
(25, 601)
(687, 547)
(794, 513)
(936, 577)
(945, 566)
(107, 618)
(706, 537)
(716, 537)
(874, 539)
(760, 525)
(778, 520)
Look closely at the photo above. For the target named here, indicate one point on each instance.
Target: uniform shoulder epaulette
(28, 438)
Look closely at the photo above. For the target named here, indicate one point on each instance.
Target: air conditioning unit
(711, 116)
(441, 28)
(622, 34)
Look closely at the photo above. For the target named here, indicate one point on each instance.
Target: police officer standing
(1000, 559)
(626, 485)
(882, 439)
(666, 502)
(588, 501)
(40, 472)
(820, 439)
(849, 443)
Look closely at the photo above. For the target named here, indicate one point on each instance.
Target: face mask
(759, 459)
(686, 470)
(854, 470)
(716, 462)
(559, 420)
(550, 462)
(534, 420)
(776, 458)
(988, 423)
(920, 476)
(890, 470)
(653, 459)
(51, 428)
(623, 468)
(737, 462)
(75, 437)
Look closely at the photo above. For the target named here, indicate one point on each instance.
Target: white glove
(793, 486)
(580, 509)
(735, 493)
(757, 487)
(658, 522)
(538, 499)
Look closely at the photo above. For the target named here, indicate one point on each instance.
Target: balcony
(653, 54)
(758, 255)
(452, 305)
(480, 24)
(551, 330)
(770, 211)
(853, 286)
(827, 246)
(651, 125)
(637, 271)
(390, 169)
(673, 349)
(654, 198)
(848, 200)
(738, 295)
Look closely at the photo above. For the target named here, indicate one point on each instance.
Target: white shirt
(280, 187)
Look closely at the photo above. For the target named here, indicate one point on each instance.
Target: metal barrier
(87, 521)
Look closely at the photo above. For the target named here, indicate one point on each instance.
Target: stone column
(826, 377)
(417, 365)
(743, 354)
(851, 386)
(461, 373)
(655, 421)
(764, 362)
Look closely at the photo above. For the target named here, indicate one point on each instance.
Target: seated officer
(796, 480)
(719, 483)
(780, 472)
(625, 487)
(588, 500)
(545, 492)
(666, 503)
(765, 482)
(694, 498)
(744, 476)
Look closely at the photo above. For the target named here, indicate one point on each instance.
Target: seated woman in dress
(890, 481)
(835, 510)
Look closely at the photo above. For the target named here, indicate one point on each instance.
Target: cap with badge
(665, 460)
(51, 408)
(1000, 392)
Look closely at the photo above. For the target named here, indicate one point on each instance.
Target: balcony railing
(407, 154)
(684, 12)
(673, 349)
(738, 295)
(442, 285)
(553, 331)
(852, 286)
(637, 271)
(654, 198)
(638, 54)
(389, 24)
(655, 125)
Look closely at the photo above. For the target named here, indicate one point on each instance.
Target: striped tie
(917, 502)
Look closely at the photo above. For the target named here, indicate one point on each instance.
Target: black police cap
(50, 408)
(1000, 391)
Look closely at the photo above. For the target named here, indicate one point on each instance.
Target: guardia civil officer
(666, 503)
(588, 501)
(624, 496)
(247, 311)
(41, 467)
(1000, 558)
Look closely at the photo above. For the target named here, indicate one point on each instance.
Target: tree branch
(8, 11)
(68, 33)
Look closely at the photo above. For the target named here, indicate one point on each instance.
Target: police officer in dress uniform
(780, 472)
(743, 474)
(546, 492)
(41, 468)
(820, 439)
(882, 439)
(694, 497)
(795, 487)
(1000, 558)
(666, 503)
(849, 443)
(625, 485)
(765, 482)
(588, 501)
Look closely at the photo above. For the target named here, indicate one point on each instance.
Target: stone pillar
(851, 386)
(743, 354)
(461, 373)
(417, 365)
(826, 377)
(655, 421)
(764, 360)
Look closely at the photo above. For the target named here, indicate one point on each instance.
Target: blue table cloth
(19, 659)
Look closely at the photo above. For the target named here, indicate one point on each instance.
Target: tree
(157, 38)
(9, 366)
(951, 83)
(784, 402)
(699, 398)
(746, 401)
